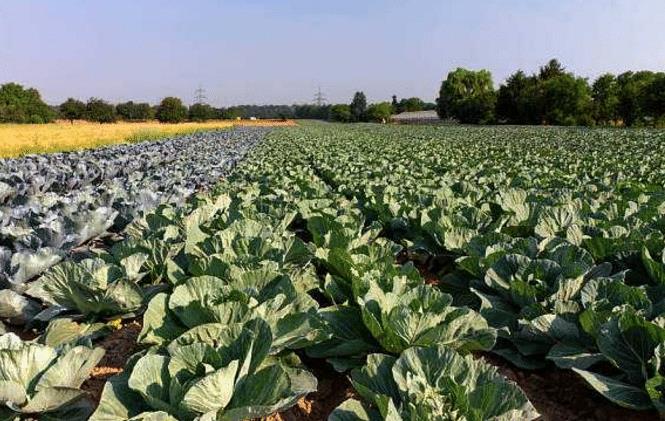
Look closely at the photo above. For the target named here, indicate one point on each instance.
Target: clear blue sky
(260, 51)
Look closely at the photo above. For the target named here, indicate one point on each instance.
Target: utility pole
(319, 98)
(200, 95)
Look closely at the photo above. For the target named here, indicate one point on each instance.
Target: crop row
(546, 244)
(52, 203)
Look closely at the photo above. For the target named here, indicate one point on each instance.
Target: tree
(310, 111)
(567, 101)
(513, 102)
(605, 94)
(395, 105)
(100, 111)
(468, 96)
(131, 111)
(655, 99)
(72, 109)
(358, 107)
(633, 87)
(171, 110)
(380, 112)
(411, 104)
(551, 70)
(341, 113)
(232, 113)
(20, 105)
(201, 112)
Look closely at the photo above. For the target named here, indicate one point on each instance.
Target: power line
(319, 98)
(200, 95)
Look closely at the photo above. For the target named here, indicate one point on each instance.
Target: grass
(22, 139)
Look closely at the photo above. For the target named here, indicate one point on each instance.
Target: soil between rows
(119, 345)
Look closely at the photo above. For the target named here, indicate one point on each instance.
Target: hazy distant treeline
(552, 96)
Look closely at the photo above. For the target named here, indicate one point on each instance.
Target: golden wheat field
(21, 139)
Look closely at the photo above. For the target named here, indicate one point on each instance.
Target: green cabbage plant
(42, 382)
(433, 383)
(230, 378)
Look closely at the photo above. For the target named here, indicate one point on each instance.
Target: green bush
(380, 112)
(72, 109)
(100, 111)
(131, 111)
(201, 112)
(358, 107)
(467, 96)
(171, 110)
(20, 105)
(340, 113)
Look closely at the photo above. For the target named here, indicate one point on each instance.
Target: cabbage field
(340, 272)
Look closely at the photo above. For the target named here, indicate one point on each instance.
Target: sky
(280, 51)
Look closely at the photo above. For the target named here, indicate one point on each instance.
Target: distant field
(21, 139)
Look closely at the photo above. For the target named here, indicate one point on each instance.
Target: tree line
(551, 96)
(554, 96)
(24, 105)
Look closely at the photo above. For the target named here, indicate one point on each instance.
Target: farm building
(416, 117)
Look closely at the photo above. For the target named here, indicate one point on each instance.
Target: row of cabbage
(233, 289)
(555, 236)
(52, 203)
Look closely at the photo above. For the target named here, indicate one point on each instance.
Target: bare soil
(119, 346)
(333, 389)
(561, 395)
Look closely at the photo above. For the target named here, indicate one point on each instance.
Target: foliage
(545, 256)
(72, 109)
(100, 111)
(467, 96)
(432, 383)
(340, 113)
(401, 317)
(89, 288)
(171, 110)
(408, 105)
(232, 378)
(516, 102)
(43, 382)
(61, 201)
(566, 101)
(640, 103)
(553, 96)
(20, 105)
(605, 92)
(131, 111)
(547, 244)
(201, 112)
(358, 107)
(380, 112)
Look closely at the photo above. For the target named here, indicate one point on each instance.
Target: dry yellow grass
(21, 139)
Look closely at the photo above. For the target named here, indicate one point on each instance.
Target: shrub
(20, 105)
(131, 111)
(380, 112)
(467, 96)
(171, 110)
(340, 113)
(72, 109)
(201, 112)
(358, 106)
(100, 111)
